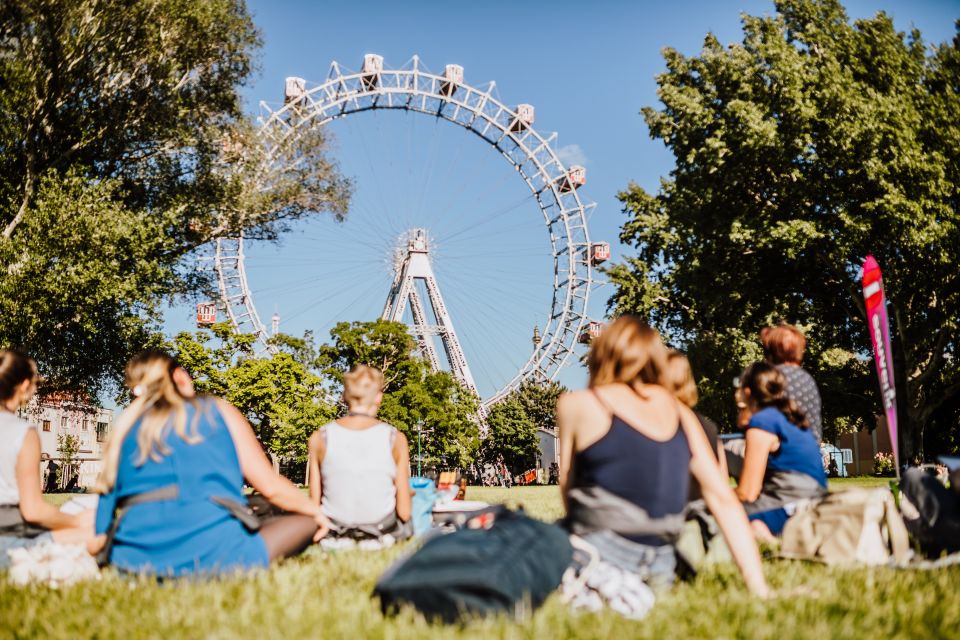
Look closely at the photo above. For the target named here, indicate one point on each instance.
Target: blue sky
(588, 68)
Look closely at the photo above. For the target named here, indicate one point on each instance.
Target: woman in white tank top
(25, 518)
(360, 466)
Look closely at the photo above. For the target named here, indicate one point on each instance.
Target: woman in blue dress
(174, 467)
(781, 461)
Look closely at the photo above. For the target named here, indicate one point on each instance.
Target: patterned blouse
(802, 389)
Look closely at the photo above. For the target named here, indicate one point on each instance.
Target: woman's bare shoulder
(574, 400)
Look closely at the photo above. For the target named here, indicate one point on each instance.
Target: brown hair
(768, 388)
(361, 385)
(15, 367)
(678, 379)
(783, 344)
(628, 351)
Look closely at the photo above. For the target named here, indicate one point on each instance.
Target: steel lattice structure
(508, 130)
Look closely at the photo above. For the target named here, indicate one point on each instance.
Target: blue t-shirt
(798, 450)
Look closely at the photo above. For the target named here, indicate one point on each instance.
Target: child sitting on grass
(360, 466)
(781, 461)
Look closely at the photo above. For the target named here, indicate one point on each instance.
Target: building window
(63, 422)
(84, 424)
(101, 431)
(46, 425)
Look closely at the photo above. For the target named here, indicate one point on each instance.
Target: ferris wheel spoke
(364, 294)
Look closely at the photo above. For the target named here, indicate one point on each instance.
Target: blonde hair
(361, 385)
(628, 351)
(678, 379)
(159, 403)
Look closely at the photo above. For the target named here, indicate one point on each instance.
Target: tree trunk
(906, 429)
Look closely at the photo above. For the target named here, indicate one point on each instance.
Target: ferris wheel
(509, 130)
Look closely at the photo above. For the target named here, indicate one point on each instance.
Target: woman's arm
(259, 472)
(401, 455)
(723, 504)
(33, 507)
(758, 447)
(722, 459)
(317, 449)
(566, 419)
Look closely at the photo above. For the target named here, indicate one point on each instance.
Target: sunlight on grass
(328, 595)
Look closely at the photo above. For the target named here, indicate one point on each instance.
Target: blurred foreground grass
(328, 596)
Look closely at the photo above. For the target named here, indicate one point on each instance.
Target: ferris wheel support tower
(414, 266)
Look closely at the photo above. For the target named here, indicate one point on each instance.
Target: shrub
(883, 464)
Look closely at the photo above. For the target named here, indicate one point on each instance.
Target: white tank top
(12, 431)
(358, 473)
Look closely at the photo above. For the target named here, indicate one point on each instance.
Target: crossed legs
(287, 536)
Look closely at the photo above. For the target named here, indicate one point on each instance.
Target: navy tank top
(652, 474)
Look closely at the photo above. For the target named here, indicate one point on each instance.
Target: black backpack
(475, 572)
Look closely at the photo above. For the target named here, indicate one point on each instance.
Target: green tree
(512, 434)
(798, 151)
(280, 394)
(68, 446)
(539, 402)
(412, 392)
(123, 149)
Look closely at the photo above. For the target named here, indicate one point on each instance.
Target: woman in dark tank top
(627, 452)
(649, 473)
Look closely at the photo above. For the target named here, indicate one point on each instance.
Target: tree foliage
(798, 151)
(512, 435)
(514, 424)
(413, 394)
(123, 148)
(280, 394)
(539, 402)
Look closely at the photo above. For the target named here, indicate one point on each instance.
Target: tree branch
(28, 189)
(936, 359)
(930, 408)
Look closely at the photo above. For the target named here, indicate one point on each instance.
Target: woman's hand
(85, 519)
(323, 525)
(95, 544)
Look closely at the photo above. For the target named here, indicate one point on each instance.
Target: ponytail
(158, 402)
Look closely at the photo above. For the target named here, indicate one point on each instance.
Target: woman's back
(358, 473)
(12, 431)
(798, 450)
(190, 532)
(633, 447)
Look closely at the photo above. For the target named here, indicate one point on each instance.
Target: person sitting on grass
(784, 346)
(679, 380)
(173, 472)
(781, 460)
(360, 466)
(627, 451)
(25, 518)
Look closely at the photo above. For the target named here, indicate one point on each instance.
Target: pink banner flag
(882, 354)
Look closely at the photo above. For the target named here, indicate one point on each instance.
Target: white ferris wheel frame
(413, 88)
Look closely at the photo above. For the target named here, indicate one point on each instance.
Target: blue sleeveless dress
(189, 534)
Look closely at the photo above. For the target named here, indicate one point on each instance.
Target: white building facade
(55, 417)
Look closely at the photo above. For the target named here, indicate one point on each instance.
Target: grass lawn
(327, 596)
